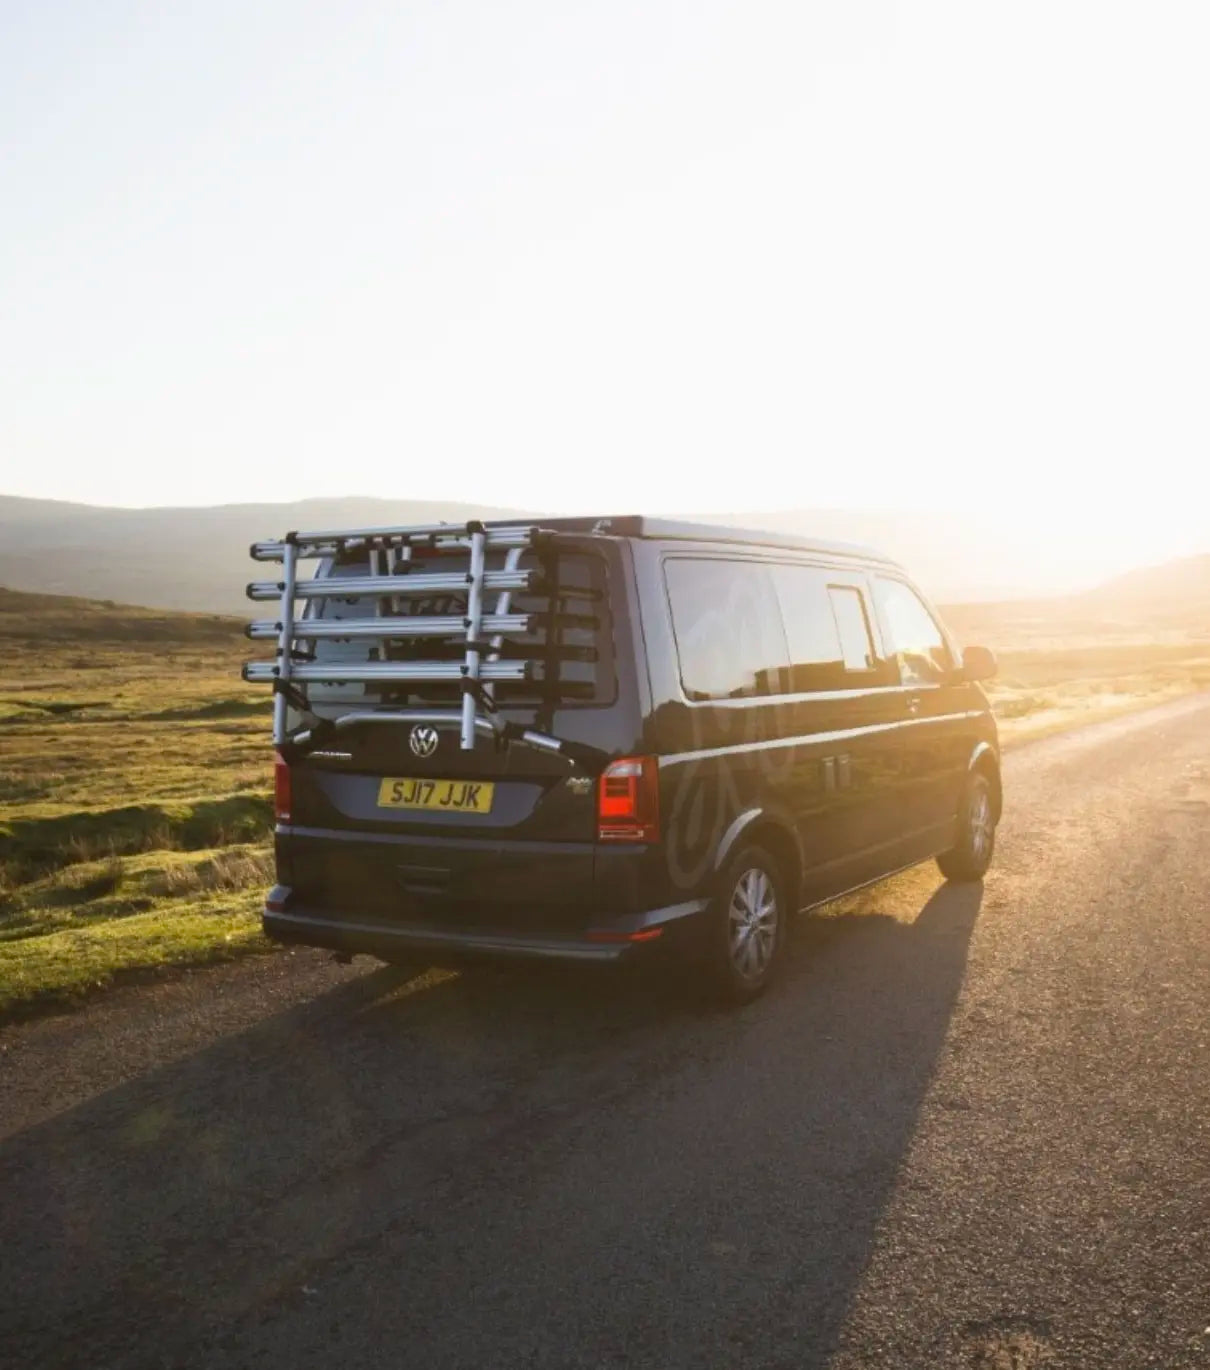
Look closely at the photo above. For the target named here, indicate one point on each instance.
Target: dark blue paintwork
(842, 787)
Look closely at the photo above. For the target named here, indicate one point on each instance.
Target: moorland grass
(135, 795)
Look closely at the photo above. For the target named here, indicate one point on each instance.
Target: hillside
(1164, 605)
(1173, 586)
(197, 558)
(193, 559)
(134, 793)
(30, 619)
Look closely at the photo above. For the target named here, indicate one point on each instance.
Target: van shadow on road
(684, 1186)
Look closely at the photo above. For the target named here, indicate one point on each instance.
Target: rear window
(571, 643)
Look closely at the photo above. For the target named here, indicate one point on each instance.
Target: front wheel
(745, 928)
(970, 857)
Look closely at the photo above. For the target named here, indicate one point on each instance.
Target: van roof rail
(684, 530)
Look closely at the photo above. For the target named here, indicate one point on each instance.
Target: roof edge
(643, 526)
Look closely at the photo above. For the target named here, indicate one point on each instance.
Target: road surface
(971, 1128)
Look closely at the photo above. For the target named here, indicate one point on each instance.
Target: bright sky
(666, 255)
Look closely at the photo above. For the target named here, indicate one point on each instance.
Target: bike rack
(389, 579)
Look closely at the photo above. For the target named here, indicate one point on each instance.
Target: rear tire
(744, 929)
(970, 857)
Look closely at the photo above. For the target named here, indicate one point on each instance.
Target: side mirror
(978, 663)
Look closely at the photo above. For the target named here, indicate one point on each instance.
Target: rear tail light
(628, 801)
(282, 796)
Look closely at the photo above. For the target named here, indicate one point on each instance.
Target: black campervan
(579, 739)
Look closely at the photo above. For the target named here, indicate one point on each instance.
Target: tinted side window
(827, 631)
(815, 653)
(913, 634)
(729, 637)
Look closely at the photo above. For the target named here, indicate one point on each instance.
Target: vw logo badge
(423, 740)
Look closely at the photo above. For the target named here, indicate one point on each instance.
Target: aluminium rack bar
(285, 646)
(504, 603)
(439, 625)
(474, 618)
(353, 587)
(327, 541)
(364, 672)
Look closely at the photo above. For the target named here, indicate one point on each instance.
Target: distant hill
(1176, 585)
(197, 558)
(1164, 604)
(29, 619)
(174, 558)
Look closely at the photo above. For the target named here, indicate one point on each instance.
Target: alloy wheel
(752, 923)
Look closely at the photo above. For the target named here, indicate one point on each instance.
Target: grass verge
(55, 968)
(81, 926)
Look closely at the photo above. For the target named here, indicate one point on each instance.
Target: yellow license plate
(449, 796)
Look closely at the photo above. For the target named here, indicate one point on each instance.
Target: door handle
(913, 705)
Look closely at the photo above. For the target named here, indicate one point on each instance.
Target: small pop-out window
(856, 646)
(828, 630)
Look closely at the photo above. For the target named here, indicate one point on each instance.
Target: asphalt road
(971, 1128)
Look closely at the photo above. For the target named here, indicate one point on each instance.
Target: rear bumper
(610, 942)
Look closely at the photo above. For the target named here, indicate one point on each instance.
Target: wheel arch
(761, 828)
(985, 761)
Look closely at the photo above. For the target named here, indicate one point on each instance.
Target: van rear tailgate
(370, 831)
(377, 782)
(521, 858)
